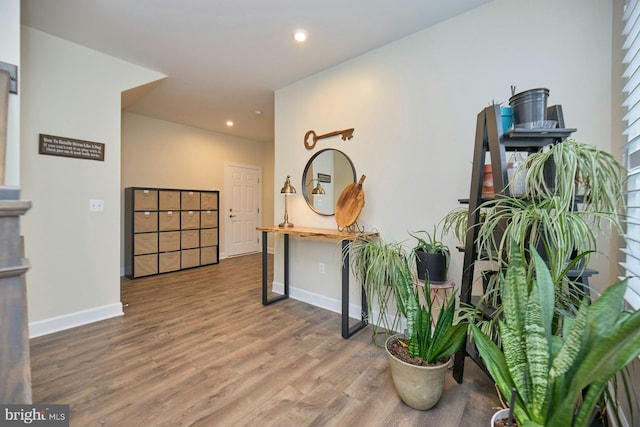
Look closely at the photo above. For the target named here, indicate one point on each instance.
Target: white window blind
(631, 62)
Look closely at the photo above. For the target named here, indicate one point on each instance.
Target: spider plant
(561, 215)
(559, 377)
(455, 222)
(544, 224)
(580, 171)
(377, 265)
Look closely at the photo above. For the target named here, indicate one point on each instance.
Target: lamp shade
(288, 188)
(318, 190)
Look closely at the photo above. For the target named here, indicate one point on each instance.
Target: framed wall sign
(68, 147)
(323, 177)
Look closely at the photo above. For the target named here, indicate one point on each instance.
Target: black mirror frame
(304, 178)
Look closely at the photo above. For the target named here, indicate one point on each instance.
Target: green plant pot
(420, 387)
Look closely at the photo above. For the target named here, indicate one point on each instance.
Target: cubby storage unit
(168, 230)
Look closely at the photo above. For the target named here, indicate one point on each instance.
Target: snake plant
(559, 377)
(431, 344)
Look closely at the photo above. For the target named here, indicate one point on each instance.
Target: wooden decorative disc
(350, 204)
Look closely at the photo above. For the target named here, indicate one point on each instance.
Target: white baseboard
(71, 320)
(317, 300)
(331, 304)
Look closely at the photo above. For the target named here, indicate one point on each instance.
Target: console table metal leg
(265, 276)
(347, 332)
(286, 265)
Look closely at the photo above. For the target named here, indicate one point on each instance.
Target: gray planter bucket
(529, 106)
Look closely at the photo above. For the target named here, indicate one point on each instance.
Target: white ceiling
(225, 58)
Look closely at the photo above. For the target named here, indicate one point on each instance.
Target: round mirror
(327, 173)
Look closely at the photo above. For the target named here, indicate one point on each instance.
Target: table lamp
(286, 190)
(318, 190)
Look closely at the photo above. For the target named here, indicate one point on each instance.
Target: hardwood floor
(197, 347)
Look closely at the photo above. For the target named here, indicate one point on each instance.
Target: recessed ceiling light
(229, 123)
(300, 36)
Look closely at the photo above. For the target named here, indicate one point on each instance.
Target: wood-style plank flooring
(197, 347)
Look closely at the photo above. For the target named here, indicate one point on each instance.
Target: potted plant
(562, 212)
(419, 360)
(558, 363)
(376, 264)
(561, 215)
(500, 417)
(432, 257)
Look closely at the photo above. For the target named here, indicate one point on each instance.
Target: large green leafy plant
(559, 365)
(431, 344)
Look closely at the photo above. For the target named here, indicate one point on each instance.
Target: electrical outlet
(96, 205)
(321, 267)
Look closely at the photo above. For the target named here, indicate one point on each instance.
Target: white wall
(413, 104)
(72, 91)
(10, 53)
(157, 153)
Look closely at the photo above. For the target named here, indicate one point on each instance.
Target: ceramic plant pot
(420, 387)
(502, 414)
(487, 181)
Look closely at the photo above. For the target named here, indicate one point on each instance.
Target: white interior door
(242, 208)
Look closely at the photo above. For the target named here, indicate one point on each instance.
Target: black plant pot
(431, 267)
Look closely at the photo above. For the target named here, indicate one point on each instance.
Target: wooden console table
(344, 237)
